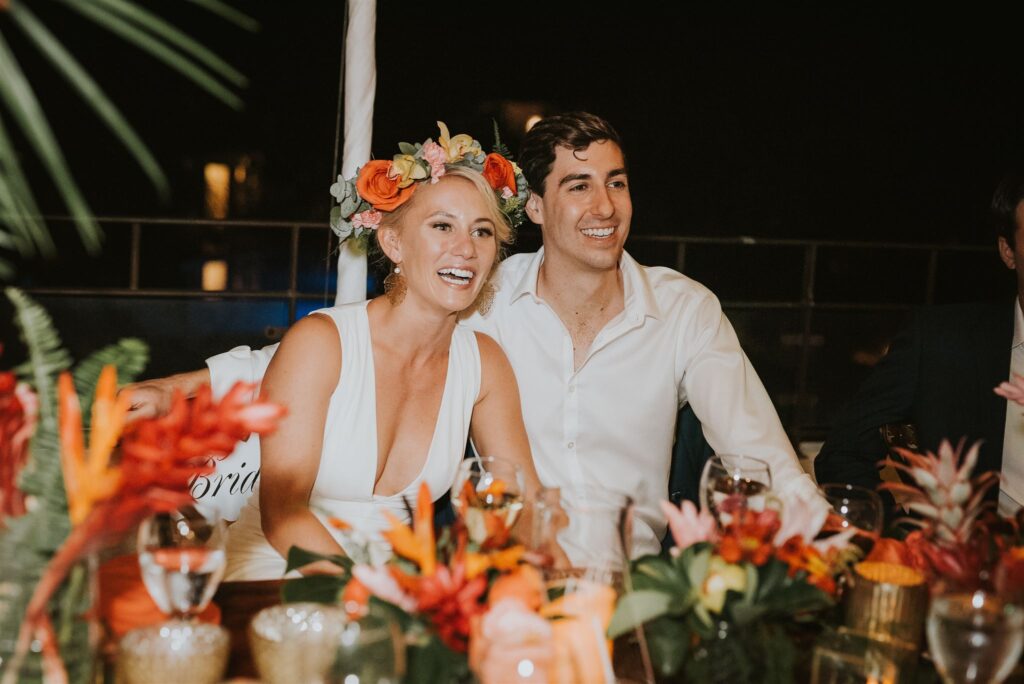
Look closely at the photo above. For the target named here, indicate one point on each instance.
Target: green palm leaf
(92, 10)
(129, 355)
(68, 67)
(162, 29)
(18, 210)
(225, 11)
(20, 100)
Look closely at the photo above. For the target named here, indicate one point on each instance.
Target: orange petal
(424, 529)
(72, 449)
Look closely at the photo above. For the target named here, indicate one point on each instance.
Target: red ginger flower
(749, 537)
(18, 408)
(159, 456)
(451, 600)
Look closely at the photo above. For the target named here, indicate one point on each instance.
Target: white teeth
(598, 232)
(455, 276)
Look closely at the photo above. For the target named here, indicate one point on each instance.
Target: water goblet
(488, 490)
(732, 483)
(181, 554)
(974, 636)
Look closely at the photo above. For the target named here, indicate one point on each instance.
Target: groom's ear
(535, 208)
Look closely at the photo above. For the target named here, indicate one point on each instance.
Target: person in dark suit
(939, 376)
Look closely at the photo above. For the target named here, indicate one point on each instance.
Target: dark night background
(847, 123)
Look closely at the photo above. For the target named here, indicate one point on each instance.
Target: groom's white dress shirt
(609, 425)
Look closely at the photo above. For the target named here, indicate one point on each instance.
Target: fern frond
(46, 356)
(129, 355)
(500, 147)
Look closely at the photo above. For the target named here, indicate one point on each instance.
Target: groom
(605, 350)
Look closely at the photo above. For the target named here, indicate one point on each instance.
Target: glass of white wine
(488, 495)
(181, 554)
(974, 637)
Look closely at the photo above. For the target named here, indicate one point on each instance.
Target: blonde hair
(503, 233)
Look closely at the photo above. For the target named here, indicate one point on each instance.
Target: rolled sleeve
(240, 364)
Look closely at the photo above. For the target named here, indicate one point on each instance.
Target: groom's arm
(241, 364)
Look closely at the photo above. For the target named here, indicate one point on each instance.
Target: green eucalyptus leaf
(406, 148)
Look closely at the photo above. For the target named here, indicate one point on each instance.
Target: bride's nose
(462, 245)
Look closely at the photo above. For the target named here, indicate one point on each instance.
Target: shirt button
(572, 388)
(571, 445)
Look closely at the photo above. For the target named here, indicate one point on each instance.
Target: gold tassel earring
(485, 299)
(394, 286)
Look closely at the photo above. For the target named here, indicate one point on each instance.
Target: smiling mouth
(456, 276)
(599, 233)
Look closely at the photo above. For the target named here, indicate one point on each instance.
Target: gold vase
(888, 602)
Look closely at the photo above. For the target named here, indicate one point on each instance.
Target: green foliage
(30, 541)
(21, 227)
(747, 637)
(46, 355)
(129, 355)
(500, 147)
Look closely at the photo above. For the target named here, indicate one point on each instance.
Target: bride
(382, 394)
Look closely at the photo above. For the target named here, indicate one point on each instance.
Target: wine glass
(181, 554)
(974, 637)
(854, 508)
(488, 490)
(732, 483)
(370, 650)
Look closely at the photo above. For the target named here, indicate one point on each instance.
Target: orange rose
(377, 187)
(499, 172)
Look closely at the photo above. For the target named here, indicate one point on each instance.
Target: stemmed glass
(974, 637)
(488, 490)
(732, 483)
(181, 554)
(854, 508)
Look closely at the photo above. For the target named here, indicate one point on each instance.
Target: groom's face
(586, 208)
(1013, 255)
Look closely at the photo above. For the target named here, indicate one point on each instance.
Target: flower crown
(381, 185)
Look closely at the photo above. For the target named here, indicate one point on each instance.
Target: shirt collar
(638, 294)
(1018, 324)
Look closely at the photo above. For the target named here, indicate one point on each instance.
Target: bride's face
(445, 244)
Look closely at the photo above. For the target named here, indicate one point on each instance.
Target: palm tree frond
(144, 41)
(159, 27)
(68, 67)
(19, 210)
(225, 11)
(17, 95)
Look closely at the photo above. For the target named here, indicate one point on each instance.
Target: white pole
(360, 87)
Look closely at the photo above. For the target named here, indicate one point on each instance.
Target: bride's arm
(302, 377)
(497, 426)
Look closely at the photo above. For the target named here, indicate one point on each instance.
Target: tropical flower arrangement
(128, 472)
(465, 602)
(382, 185)
(725, 595)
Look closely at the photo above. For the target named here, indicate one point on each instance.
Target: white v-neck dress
(348, 463)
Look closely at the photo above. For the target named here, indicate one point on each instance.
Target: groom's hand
(152, 398)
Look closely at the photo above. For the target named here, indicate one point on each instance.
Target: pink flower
(434, 155)
(506, 193)
(368, 219)
(1012, 390)
(687, 524)
(382, 585)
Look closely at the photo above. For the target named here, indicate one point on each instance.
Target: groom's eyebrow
(573, 177)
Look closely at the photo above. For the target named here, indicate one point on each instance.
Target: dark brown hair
(574, 130)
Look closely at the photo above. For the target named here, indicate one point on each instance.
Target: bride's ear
(390, 243)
